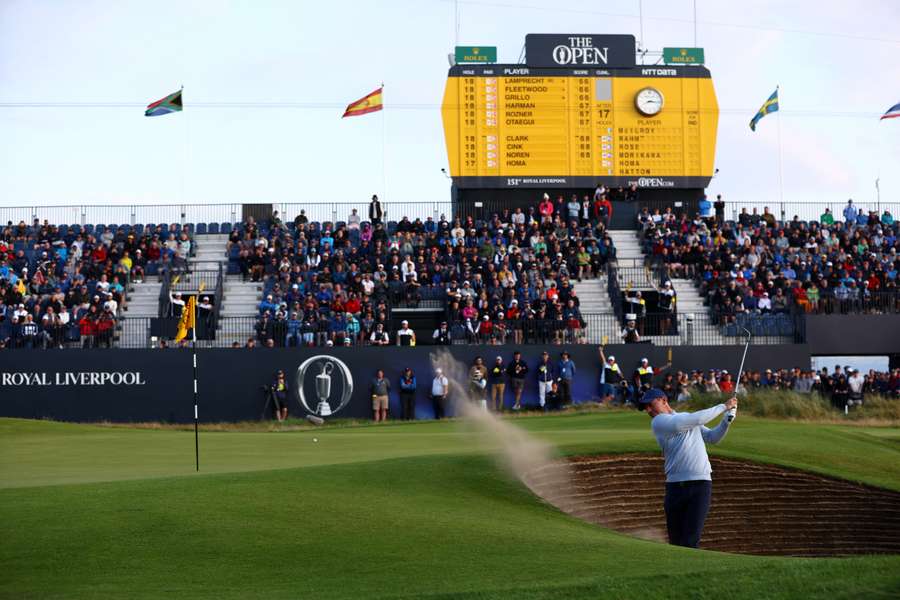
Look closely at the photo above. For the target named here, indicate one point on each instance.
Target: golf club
(737, 385)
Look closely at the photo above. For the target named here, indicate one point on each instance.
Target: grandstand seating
(67, 285)
(756, 272)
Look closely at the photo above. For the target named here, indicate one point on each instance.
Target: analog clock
(649, 101)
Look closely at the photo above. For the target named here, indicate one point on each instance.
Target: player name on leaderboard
(515, 126)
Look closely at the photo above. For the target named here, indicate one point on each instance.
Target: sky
(265, 84)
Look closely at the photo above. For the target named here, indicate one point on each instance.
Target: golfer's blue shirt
(681, 437)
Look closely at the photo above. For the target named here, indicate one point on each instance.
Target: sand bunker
(756, 508)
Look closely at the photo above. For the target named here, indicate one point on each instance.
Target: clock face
(649, 101)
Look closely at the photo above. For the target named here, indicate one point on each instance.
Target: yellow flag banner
(188, 319)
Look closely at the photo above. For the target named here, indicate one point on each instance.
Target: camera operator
(279, 391)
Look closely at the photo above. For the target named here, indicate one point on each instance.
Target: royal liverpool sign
(81, 378)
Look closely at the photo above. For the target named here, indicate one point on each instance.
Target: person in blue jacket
(566, 372)
(408, 395)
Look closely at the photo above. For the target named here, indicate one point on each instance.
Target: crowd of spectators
(509, 278)
(844, 386)
(759, 265)
(66, 286)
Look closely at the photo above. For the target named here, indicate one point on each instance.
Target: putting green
(402, 510)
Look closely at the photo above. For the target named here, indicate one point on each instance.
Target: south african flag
(169, 104)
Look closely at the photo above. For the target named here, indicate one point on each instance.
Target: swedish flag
(769, 106)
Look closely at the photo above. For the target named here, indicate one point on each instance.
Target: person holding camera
(279, 391)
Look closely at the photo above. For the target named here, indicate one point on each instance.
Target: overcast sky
(102, 62)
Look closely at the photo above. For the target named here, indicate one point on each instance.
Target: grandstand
(511, 277)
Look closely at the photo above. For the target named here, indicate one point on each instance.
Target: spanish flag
(188, 319)
(366, 104)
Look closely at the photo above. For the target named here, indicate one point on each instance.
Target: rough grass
(804, 407)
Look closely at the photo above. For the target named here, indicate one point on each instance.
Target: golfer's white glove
(731, 414)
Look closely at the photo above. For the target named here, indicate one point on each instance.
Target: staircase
(630, 261)
(593, 297)
(143, 305)
(209, 252)
(689, 302)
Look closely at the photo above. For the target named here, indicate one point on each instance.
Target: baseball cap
(651, 395)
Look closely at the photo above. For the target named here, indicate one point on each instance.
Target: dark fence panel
(853, 334)
(156, 385)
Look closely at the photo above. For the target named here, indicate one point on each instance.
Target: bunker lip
(756, 508)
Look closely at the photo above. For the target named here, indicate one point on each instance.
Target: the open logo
(324, 385)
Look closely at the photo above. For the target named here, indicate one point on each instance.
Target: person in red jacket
(546, 208)
(87, 328)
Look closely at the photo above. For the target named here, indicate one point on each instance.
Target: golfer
(688, 483)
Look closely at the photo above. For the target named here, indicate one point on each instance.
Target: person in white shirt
(408, 269)
(764, 304)
(353, 220)
(440, 387)
(405, 335)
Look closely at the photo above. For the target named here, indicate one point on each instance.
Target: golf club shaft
(737, 385)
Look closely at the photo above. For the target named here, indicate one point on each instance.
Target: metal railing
(661, 330)
(131, 214)
(782, 211)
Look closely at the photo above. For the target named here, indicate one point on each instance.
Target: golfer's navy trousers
(687, 503)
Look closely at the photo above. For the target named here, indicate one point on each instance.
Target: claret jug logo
(324, 385)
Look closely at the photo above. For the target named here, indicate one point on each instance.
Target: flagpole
(196, 414)
(383, 146)
(184, 152)
(780, 157)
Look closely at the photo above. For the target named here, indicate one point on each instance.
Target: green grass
(398, 511)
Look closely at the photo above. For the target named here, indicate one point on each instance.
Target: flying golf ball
(315, 439)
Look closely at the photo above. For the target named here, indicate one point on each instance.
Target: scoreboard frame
(699, 118)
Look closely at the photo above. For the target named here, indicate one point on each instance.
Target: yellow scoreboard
(509, 126)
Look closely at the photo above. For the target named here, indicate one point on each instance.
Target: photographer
(279, 391)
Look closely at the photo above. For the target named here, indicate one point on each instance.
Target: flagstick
(780, 158)
(196, 415)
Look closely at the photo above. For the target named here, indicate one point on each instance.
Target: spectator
(553, 397)
(379, 337)
(546, 379)
(856, 382)
(405, 335)
(440, 387)
(517, 370)
(441, 335)
(380, 389)
(376, 213)
(478, 382)
(566, 370)
(613, 383)
(353, 221)
(408, 395)
(497, 381)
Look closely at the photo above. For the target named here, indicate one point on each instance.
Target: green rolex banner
(769, 106)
